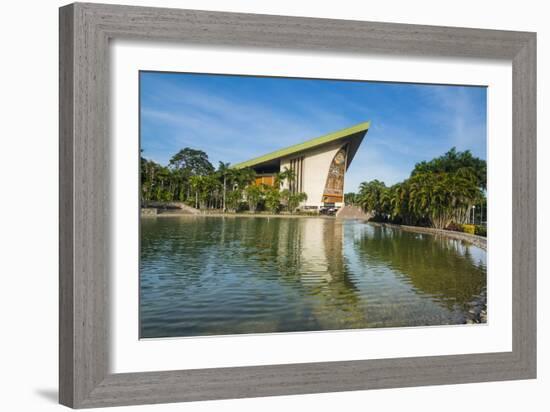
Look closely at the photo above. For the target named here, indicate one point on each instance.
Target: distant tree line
(438, 193)
(190, 177)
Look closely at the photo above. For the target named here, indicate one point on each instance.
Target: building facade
(319, 166)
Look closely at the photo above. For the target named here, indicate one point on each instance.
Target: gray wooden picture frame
(85, 31)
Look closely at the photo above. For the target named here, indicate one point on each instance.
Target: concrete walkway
(174, 207)
(352, 212)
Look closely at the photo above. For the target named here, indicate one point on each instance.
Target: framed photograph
(256, 205)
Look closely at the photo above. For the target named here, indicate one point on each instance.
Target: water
(232, 275)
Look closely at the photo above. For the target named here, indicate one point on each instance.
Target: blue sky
(235, 118)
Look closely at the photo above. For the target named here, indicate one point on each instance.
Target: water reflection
(216, 275)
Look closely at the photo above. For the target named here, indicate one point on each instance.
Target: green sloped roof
(309, 144)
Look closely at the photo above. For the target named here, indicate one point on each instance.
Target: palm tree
(286, 175)
(350, 198)
(223, 170)
(272, 198)
(208, 189)
(196, 184)
(441, 198)
(285, 197)
(371, 197)
(245, 177)
(234, 197)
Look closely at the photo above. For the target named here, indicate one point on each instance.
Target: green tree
(223, 171)
(437, 193)
(442, 198)
(287, 175)
(209, 188)
(399, 204)
(272, 198)
(253, 196)
(350, 198)
(148, 175)
(371, 197)
(244, 177)
(295, 199)
(451, 162)
(186, 163)
(233, 199)
(196, 183)
(284, 196)
(195, 162)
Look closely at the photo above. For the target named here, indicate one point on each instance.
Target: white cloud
(466, 127)
(236, 128)
(230, 127)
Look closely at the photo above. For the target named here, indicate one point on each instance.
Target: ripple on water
(213, 276)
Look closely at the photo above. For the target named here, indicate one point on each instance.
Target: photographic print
(272, 205)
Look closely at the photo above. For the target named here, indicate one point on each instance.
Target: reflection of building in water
(315, 247)
(319, 166)
(313, 252)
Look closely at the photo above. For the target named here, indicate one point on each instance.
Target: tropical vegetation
(438, 193)
(191, 178)
(445, 192)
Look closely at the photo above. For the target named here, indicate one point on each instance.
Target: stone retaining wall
(149, 211)
(173, 206)
(352, 212)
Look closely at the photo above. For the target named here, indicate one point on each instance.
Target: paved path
(178, 207)
(352, 212)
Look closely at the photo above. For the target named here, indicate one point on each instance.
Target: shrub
(481, 230)
(455, 227)
(253, 196)
(471, 229)
(272, 199)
